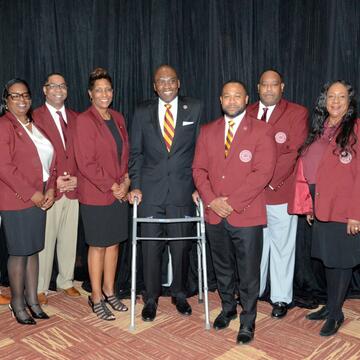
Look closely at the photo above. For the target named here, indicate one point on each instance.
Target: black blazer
(164, 177)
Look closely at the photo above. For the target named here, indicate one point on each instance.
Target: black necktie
(263, 118)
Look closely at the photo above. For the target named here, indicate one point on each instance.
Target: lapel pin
(185, 107)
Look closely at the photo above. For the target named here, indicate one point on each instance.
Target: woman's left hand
(353, 227)
(49, 199)
(121, 191)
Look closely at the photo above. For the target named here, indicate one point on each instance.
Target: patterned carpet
(74, 332)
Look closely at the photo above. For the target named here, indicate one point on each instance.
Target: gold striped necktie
(169, 127)
(229, 137)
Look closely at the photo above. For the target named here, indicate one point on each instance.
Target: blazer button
(223, 177)
(317, 194)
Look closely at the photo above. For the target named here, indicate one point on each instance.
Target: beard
(235, 114)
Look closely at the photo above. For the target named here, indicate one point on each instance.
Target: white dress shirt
(261, 111)
(56, 119)
(44, 148)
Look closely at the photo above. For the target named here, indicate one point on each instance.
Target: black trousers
(237, 249)
(338, 281)
(152, 251)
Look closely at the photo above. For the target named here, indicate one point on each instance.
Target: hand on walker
(196, 197)
(135, 193)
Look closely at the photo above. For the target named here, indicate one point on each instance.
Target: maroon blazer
(20, 166)
(289, 127)
(97, 158)
(242, 176)
(65, 159)
(338, 183)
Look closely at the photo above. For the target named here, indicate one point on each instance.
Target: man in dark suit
(288, 126)
(62, 218)
(163, 136)
(234, 161)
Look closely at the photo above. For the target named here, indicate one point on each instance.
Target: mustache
(240, 111)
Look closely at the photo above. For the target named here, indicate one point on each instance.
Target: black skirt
(24, 230)
(105, 225)
(332, 245)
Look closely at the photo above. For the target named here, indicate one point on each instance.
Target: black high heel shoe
(28, 320)
(37, 312)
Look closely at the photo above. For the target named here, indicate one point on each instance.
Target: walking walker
(201, 255)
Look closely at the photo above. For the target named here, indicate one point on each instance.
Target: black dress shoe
(321, 314)
(279, 310)
(331, 327)
(223, 320)
(182, 306)
(149, 311)
(246, 334)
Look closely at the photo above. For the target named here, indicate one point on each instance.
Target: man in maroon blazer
(62, 218)
(234, 161)
(288, 126)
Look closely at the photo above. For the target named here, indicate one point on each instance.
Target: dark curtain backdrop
(207, 41)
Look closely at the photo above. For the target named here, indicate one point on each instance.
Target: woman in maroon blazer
(102, 152)
(27, 181)
(330, 160)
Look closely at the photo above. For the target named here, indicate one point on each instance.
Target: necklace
(106, 116)
(27, 123)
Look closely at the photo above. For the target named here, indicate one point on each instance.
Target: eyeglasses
(52, 86)
(16, 96)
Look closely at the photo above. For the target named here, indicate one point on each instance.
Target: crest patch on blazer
(245, 155)
(280, 137)
(345, 157)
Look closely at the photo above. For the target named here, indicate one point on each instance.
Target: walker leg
(133, 286)
(204, 266)
(206, 295)
(198, 249)
(133, 270)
